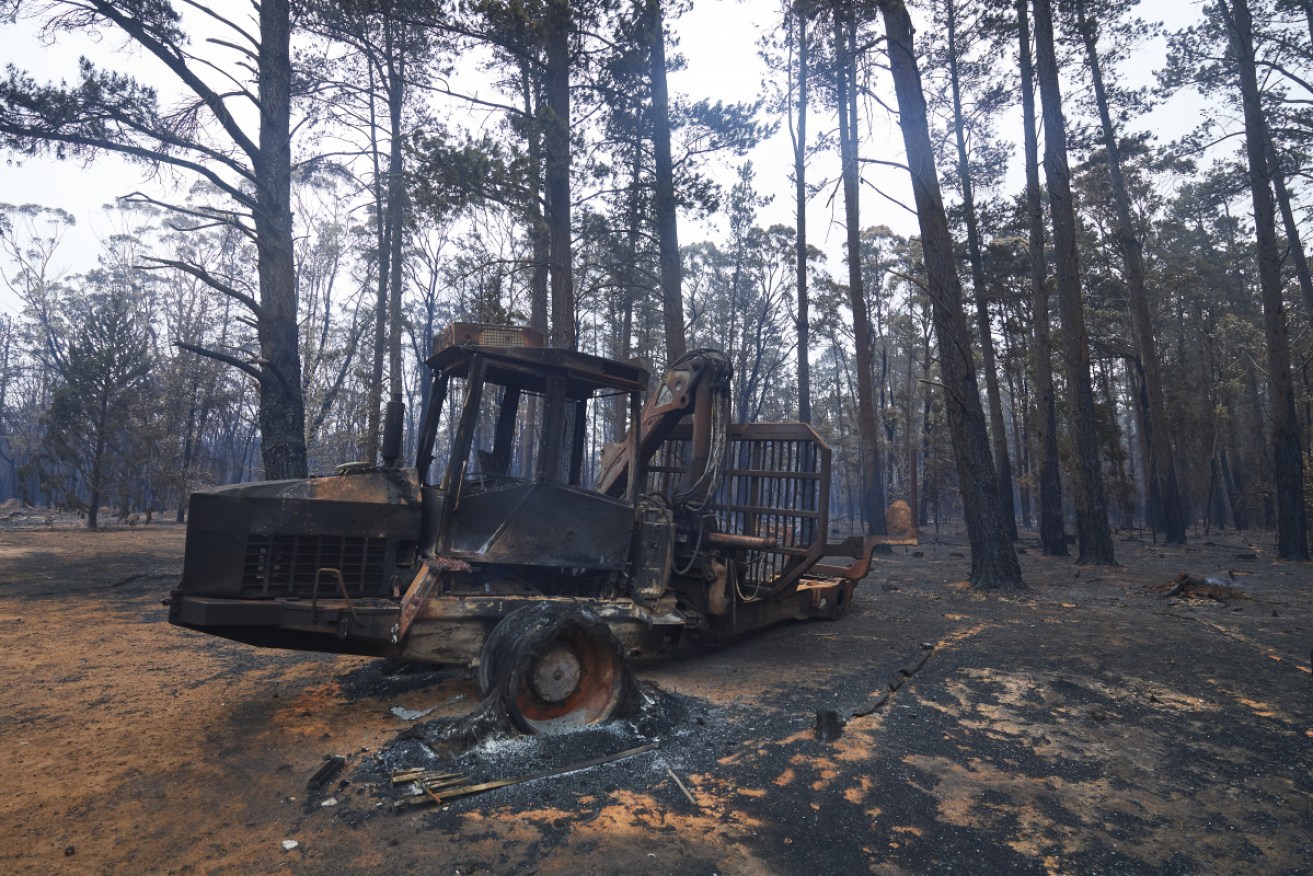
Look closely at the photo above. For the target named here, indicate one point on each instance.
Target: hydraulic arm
(698, 383)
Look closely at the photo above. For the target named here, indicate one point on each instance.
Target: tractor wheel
(843, 599)
(554, 669)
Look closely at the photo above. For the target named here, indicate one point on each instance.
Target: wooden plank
(464, 791)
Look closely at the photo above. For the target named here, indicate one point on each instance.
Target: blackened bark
(1161, 469)
(259, 180)
(188, 442)
(1292, 534)
(382, 249)
(628, 279)
(556, 146)
(867, 423)
(539, 237)
(1052, 534)
(1002, 463)
(993, 558)
(1092, 531)
(1235, 487)
(1293, 237)
(396, 60)
(539, 234)
(663, 200)
(282, 406)
(97, 479)
(799, 135)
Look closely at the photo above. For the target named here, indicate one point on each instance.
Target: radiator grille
(277, 565)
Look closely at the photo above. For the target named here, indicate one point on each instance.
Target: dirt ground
(1090, 725)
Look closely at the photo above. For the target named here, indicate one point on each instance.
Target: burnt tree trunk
(1092, 531)
(1162, 470)
(628, 279)
(282, 405)
(382, 248)
(663, 200)
(1293, 237)
(867, 423)
(1292, 534)
(556, 148)
(993, 558)
(1052, 534)
(396, 206)
(798, 133)
(96, 483)
(1002, 463)
(539, 241)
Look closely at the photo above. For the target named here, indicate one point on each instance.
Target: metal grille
(459, 334)
(278, 565)
(775, 483)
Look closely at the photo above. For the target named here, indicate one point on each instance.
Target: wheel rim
(575, 680)
(555, 675)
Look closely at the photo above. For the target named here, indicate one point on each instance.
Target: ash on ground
(691, 733)
(385, 679)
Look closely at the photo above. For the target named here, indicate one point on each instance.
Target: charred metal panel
(654, 558)
(270, 538)
(290, 623)
(542, 524)
(747, 617)
(450, 642)
(452, 629)
(199, 612)
(276, 564)
(529, 368)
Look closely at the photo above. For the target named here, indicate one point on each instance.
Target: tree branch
(134, 151)
(172, 58)
(208, 279)
(887, 196)
(222, 357)
(208, 10)
(212, 217)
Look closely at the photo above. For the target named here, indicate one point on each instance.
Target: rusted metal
(461, 334)
(744, 542)
(431, 571)
(341, 587)
(694, 529)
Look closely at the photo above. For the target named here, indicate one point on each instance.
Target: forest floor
(1090, 724)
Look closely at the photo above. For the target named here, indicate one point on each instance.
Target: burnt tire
(843, 599)
(554, 669)
(837, 602)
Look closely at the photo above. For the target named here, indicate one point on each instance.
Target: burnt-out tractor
(529, 557)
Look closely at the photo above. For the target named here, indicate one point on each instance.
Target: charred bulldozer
(526, 556)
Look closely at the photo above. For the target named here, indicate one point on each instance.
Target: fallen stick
(466, 790)
(331, 767)
(681, 786)
(439, 784)
(405, 777)
(1181, 581)
(914, 668)
(869, 710)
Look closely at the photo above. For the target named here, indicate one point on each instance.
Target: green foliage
(450, 172)
(109, 359)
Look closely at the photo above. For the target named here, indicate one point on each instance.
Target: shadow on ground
(1089, 724)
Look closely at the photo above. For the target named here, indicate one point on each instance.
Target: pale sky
(718, 38)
